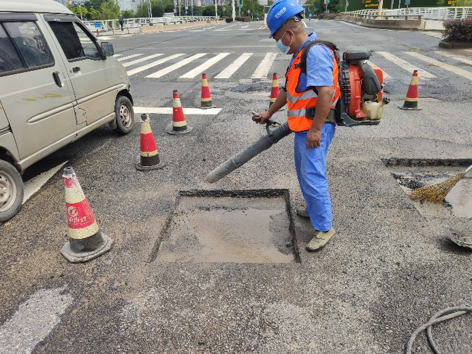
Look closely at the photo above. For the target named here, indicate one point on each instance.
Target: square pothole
(412, 174)
(230, 227)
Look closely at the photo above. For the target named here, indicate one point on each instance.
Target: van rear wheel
(124, 115)
(11, 191)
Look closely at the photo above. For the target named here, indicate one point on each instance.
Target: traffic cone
(179, 125)
(149, 157)
(86, 241)
(206, 97)
(411, 100)
(274, 92)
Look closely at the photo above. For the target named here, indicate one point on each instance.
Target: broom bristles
(436, 193)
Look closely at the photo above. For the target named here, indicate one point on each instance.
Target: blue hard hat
(280, 12)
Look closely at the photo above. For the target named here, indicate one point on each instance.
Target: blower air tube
(244, 156)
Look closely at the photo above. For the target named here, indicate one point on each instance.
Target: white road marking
(176, 66)
(35, 184)
(155, 63)
(117, 55)
(201, 68)
(385, 75)
(264, 67)
(129, 57)
(141, 60)
(34, 320)
(169, 110)
(231, 69)
(452, 68)
(456, 57)
(406, 65)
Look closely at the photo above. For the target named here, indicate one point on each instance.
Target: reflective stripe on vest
(298, 102)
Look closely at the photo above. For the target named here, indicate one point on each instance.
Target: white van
(57, 83)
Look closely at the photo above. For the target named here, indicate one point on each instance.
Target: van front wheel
(11, 191)
(124, 115)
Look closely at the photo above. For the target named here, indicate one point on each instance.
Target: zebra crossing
(407, 61)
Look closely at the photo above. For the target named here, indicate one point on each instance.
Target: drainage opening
(229, 226)
(412, 174)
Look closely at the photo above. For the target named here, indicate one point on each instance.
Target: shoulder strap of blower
(302, 66)
(306, 49)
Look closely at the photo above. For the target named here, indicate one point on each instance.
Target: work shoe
(303, 213)
(320, 240)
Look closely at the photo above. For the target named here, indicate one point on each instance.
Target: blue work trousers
(311, 171)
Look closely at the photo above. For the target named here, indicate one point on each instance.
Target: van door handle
(75, 69)
(57, 78)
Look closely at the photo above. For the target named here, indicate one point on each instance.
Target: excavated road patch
(229, 226)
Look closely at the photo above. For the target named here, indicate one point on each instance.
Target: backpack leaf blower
(361, 103)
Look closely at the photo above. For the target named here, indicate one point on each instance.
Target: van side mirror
(107, 49)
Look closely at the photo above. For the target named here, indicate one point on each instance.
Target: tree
(314, 6)
(128, 14)
(109, 10)
(209, 10)
(142, 10)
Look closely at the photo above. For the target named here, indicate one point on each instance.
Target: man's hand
(263, 117)
(323, 106)
(313, 138)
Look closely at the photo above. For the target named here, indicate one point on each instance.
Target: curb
(455, 45)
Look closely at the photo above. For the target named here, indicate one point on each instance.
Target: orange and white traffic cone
(206, 96)
(274, 92)
(86, 241)
(149, 157)
(411, 100)
(179, 125)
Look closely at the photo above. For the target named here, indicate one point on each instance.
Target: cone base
(170, 130)
(409, 108)
(82, 257)
(206, 104)
(158, 166)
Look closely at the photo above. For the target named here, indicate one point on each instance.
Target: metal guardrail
(108, 25)
(426, 13)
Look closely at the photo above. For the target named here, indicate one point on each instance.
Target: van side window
(74, 40)
(9, 58)
(30, 43)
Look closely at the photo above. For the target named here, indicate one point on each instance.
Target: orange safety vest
(298, 102)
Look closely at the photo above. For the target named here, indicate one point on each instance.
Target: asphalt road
(387, 270)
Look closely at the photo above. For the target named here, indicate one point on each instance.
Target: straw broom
(436, 193)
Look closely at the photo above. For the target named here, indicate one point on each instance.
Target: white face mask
(283, 48)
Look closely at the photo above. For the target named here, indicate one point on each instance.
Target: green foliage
(169, 8)
(128, 14)
(458, 30)
(109, 10)
(78, 11)
(142, 11)
(463, 3)
(209, 10)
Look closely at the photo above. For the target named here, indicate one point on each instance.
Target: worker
(314, 128)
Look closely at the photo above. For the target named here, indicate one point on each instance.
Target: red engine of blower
(361, 85)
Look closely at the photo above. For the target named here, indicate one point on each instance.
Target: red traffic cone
(274, 92)
(86, 241)
(149, 157)
(411, 100)
(206, 96)
(179, 125)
